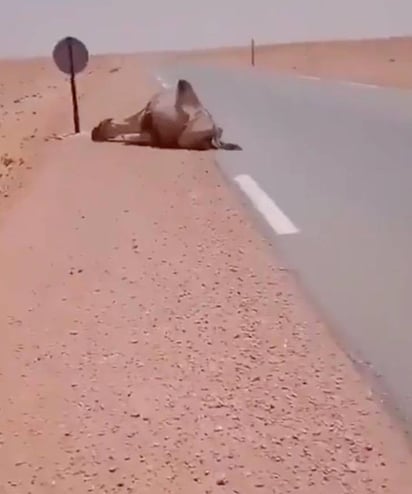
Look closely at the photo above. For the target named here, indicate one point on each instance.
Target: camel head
(104, 130)
(108, 129)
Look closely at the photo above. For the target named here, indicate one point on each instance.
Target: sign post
(71, 57)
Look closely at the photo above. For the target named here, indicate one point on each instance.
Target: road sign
(71, 57)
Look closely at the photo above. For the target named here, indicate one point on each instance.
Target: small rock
(352, 466)
(221, 479)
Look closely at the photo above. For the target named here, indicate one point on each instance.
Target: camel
(173, 118)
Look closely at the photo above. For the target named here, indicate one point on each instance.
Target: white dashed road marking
(275, 217)
(347, 83)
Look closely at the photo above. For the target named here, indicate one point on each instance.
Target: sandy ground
(150, 342)
(385, 62)
(35, 101)
(27, 90)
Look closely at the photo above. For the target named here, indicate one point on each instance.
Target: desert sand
(150, 341)
(384, 62)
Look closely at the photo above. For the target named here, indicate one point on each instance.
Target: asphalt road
(337, 160)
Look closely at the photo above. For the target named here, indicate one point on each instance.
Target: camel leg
(142, 139)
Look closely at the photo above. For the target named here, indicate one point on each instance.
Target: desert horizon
(126, 27)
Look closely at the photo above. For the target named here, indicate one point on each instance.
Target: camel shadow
(229, 146)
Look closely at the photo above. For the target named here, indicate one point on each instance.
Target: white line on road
(280, 223)
(347, 83)
(310, 77)
(362, 84)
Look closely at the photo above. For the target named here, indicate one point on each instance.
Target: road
(335, 159)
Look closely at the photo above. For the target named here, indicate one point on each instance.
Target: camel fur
(173, 118)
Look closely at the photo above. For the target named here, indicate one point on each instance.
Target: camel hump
(186, 94)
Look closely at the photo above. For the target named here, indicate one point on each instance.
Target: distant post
(71, 57)
(252, 52)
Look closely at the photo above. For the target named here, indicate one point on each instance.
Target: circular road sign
(70, 55)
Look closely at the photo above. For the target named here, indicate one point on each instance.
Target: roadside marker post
(71, 57)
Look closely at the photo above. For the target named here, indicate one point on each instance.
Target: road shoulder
(159, 347)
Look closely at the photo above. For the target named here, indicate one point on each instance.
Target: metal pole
(252, 52)
(76, 119)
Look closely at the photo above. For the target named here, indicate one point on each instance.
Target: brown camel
(173, 118)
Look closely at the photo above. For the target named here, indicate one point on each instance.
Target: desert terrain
(384, 62)
(150, 341)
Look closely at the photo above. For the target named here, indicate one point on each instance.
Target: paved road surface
(337, 161)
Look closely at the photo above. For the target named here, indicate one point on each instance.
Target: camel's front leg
(142, 139)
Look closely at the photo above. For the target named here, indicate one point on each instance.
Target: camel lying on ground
(173, 118)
